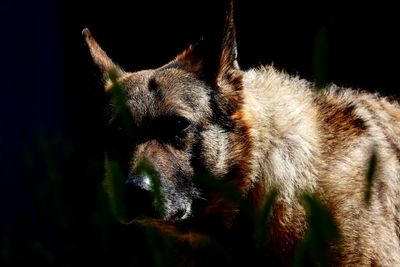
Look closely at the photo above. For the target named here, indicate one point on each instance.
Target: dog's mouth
(178, 214)
(186, 214)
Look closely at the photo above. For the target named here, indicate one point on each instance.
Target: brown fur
(261, 129)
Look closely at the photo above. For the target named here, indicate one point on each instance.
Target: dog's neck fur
(280, 105)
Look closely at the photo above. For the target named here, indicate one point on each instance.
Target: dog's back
(323, 142)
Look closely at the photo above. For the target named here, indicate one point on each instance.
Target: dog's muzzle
(138, 197)
(142, 181)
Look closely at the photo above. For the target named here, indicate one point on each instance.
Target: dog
(255, 130)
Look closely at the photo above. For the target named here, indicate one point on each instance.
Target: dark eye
(170, 129)
(178, 125)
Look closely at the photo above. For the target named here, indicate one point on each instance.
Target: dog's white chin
(175, 217)
(187, 214)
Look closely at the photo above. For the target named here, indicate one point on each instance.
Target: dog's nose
(142, 181)
(138, 197)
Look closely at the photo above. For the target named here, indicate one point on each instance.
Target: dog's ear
(228, 58)
(109, 69)
(215, 58)
(229, 77)
(191, 59)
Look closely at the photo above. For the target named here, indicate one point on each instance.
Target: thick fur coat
(259, 129)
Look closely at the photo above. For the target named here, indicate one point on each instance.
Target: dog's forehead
(169, 80)
(157, 92)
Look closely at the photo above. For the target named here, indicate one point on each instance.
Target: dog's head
(183, 118)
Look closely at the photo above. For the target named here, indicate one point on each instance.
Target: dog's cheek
(215, 150)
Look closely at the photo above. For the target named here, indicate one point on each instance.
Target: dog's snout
(142, 181)
(138, 197)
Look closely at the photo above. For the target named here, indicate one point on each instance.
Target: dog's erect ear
(216, 56)
(190, 59)
(109, 69)
(228, 59)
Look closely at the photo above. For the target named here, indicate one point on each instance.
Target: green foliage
(223, 188)
(262, 218)
(155, 186)
(114, 182)
(78, 221)
(322, 235)
(161, 247)
(370, 177)
(78, 217)
(119, 104)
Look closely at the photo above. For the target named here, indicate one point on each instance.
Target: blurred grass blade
(114, 182)
(223, 188)
(160, 246)
(147, 169)
(370, 176)
(322, 233)
(120, 104)
(262, 218)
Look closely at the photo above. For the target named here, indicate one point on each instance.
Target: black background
(51, 92)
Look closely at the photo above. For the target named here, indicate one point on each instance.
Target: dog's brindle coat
(260, 129)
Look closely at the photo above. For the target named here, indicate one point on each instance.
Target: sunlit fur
(260, 129)
(321, 142)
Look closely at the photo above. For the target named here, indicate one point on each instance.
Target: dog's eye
(174, 126)
(179, 124)
(170, 129)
